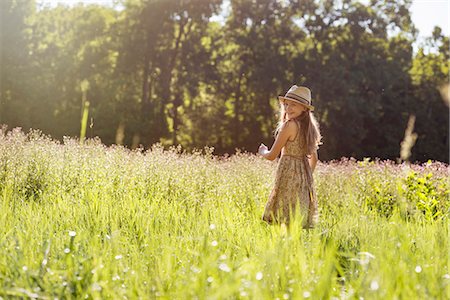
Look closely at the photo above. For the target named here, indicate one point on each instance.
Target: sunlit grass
(89, 221)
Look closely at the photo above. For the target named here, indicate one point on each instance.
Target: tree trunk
(176, 121)
(146, 109)
(145, 103)
(177, 102)
(237, 109)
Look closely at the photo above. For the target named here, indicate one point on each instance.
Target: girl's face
(293, 109)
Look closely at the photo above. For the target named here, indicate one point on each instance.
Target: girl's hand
(263, 149)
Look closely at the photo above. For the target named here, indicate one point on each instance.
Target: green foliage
(384, 191)
(429, 74)
(379, 197)
(206, 73)
(90, 221)
(429, 195)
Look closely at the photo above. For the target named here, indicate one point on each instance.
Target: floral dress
(294, 186)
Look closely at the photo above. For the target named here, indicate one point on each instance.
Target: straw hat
(299, 94)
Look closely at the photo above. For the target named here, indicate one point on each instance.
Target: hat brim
(281, 98)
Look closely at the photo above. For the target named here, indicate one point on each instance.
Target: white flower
(224, 267)
(116, 277)
(365, 258)
(374, 285)
(72, 233)
(259, 276)
(96, 287)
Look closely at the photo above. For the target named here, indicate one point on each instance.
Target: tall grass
(95, 222)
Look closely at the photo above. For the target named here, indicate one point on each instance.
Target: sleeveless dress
(294, 186)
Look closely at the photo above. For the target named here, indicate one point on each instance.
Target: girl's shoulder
(291, 124)
(290, 127)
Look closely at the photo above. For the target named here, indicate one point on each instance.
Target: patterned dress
(294, 186)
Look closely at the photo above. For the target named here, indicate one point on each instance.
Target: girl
(298, 138)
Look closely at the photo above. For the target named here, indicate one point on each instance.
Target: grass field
(95, 222)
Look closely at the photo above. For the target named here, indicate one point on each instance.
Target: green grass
(95, 222)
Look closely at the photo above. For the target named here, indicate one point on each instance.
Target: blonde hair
(309, 125)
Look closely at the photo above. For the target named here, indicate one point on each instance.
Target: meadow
(86, 221)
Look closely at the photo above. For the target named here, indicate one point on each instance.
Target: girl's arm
(286, 131)
(313, 160)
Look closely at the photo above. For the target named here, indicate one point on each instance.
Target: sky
(425, 13)
(428, 13)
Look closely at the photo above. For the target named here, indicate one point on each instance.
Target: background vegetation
(202, 72)
(95, 222)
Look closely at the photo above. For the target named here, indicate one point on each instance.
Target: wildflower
(365, 258)
(224, 267)
(374, 285)
(259, 276)
(72, 233)
(116, 277)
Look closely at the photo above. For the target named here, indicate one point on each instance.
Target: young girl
(297, 138)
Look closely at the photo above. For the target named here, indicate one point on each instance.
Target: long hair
(309, 128)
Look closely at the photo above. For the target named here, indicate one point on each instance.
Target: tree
(163, 71)
(358, 75)
(429, 73)
(70, 45)
(167, 54)
(15, 108)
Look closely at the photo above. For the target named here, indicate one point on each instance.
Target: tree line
(207, 73)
